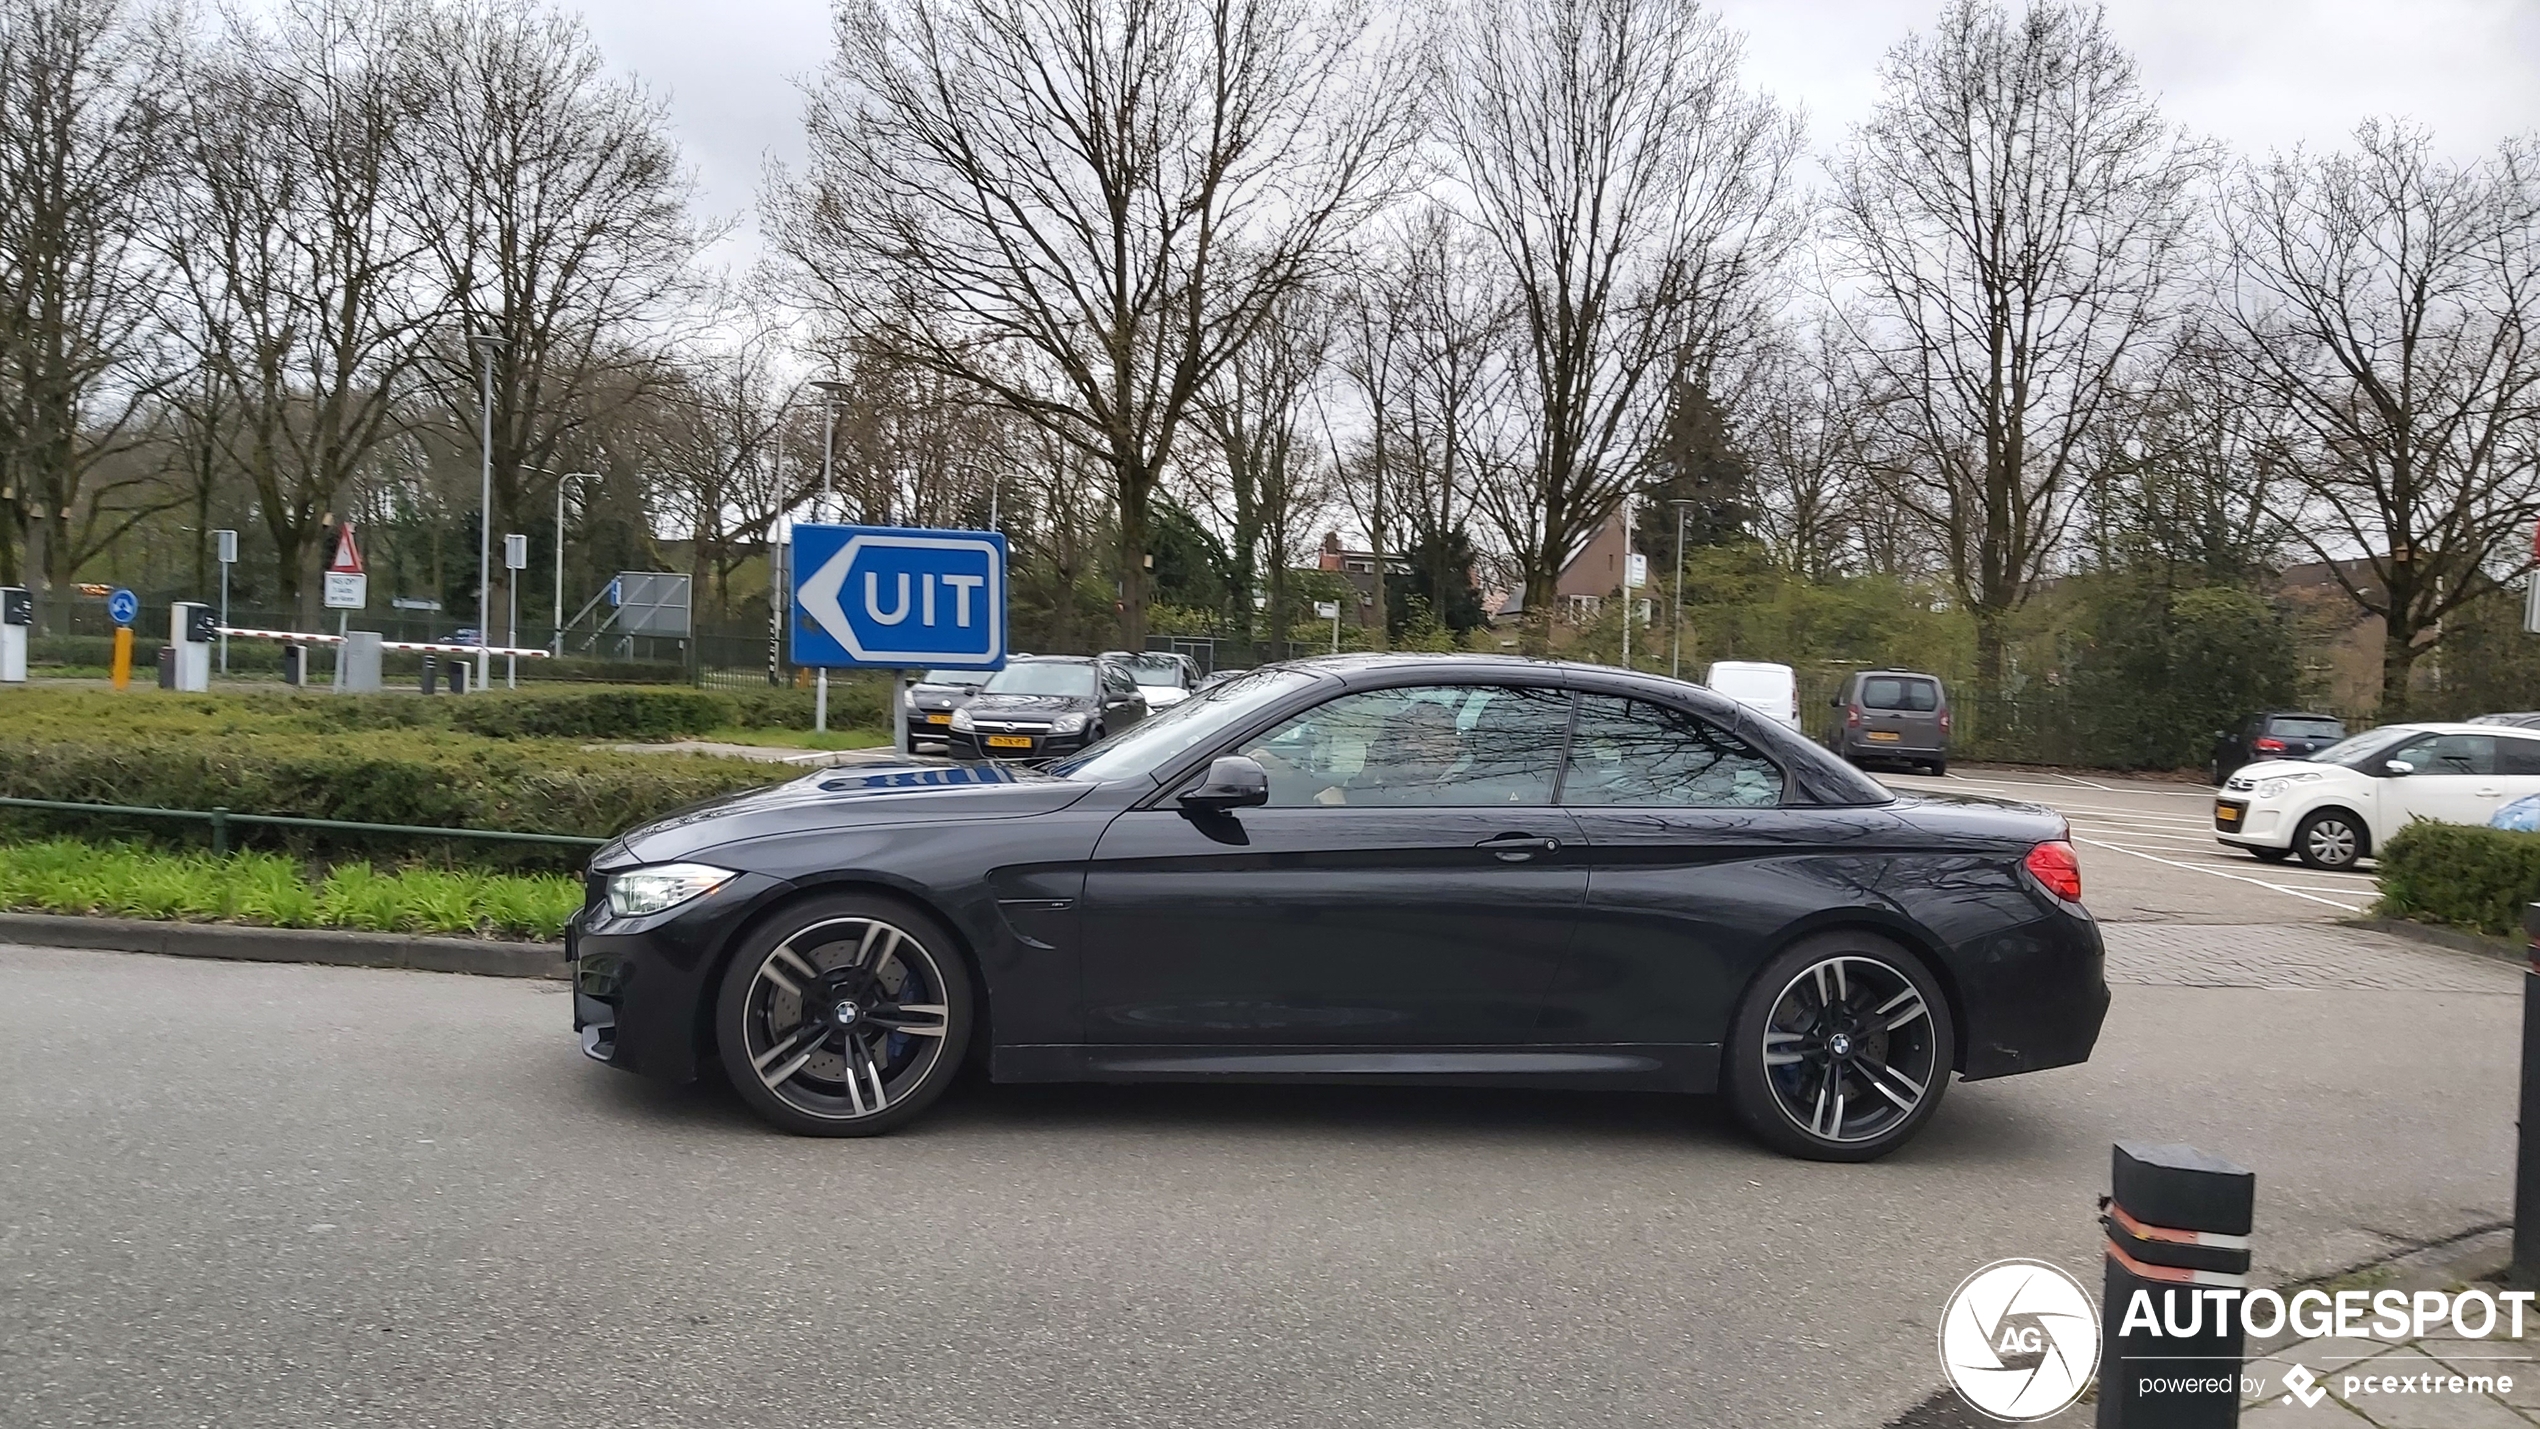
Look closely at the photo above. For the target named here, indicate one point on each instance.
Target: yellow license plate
(1884, 736)
(2226, 813)
(1009, 741)
(939, 719)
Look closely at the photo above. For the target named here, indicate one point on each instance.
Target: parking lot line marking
(2218, 873)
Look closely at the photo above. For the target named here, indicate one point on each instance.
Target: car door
(2452, 779)
(1688, 849)
(1122, 703)
(2517, 766)
(1410, 883)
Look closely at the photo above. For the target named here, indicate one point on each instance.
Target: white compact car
(2334, 808)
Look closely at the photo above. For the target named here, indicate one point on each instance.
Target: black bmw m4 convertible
(1369, 868)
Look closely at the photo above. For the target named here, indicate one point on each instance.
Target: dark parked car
(935, 696)
(1892, 714)
(1045, 706)
(1363, 868)
(2273, 734)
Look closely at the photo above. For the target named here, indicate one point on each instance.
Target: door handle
(2490, 793)
(1517, 848)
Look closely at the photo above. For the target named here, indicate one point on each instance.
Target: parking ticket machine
(190, 634)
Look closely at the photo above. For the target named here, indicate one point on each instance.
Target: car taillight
(2267, 745)
(2059, 868)
(1944, 721)
(1852, 715)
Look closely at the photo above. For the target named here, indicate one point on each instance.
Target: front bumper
(2240, 823)
(1037, 745)
(643, 989)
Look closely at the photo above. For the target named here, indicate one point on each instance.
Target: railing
(220, 819)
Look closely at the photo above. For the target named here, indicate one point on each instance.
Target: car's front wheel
(2332, 839)
(1840, 1049)
(844, 1015)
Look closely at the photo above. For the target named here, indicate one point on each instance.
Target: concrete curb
(483, 956)
(2457, 939)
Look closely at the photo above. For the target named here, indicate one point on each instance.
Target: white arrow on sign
(818, 597)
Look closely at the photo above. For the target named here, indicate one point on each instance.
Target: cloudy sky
(2258, 74)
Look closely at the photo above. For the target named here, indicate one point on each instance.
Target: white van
(1770, 690)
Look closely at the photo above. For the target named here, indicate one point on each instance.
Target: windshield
(954, 677)
(2305, 727)
(1156, 671)
(1166, 734)
(2357, 751)
(1042, 678)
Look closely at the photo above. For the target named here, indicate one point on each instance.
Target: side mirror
(2397, 770)
(1232, 782)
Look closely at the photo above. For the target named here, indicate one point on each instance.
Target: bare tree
(2191, 486)
(2010, 215)
(296, 255)
(2385, 301)
(711, 455)
(80, 127)
(1800, 424)
(1636, 195)
(1257, 410)
(557, 215)
(1122, 189)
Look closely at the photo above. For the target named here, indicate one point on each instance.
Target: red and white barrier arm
(297, 637)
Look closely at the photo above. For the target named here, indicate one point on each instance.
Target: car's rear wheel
(845, 1015)
(2332, 839)
(1840, 1049)
(1938, 768)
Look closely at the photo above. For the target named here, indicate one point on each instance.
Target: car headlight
(639, 891)
(961, 721)
(2269, 788)
(908, 699)
(1068, 724)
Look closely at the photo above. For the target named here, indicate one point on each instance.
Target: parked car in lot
(1044, 706)
(2273, 734)
(1758, 685)
(928, 707)
(1892, 714)
(2525, 719)
(1165, 677)
(2333, 809)
(1467, 870)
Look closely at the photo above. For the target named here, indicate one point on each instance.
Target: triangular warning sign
(348, 557)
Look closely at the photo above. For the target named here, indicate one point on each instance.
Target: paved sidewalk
(2428, 1383)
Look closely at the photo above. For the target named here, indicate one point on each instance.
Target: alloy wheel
(845, 1018)
(1850, 1049)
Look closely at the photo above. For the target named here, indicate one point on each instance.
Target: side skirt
(1637, 1066)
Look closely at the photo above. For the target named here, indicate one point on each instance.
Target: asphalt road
(2148, 851)
(236, 1194)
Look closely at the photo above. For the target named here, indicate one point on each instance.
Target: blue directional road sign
(896, 598)
(122, 607)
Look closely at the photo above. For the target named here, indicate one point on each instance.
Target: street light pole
(833, 390)
(485, 510)
(1676, 652)
(1627, 582)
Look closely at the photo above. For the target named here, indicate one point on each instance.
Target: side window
(1631, 752)
(2517, 756)
(2448, 754)
(1432, 745)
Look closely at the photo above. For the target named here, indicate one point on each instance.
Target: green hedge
(2461, 874)
(372, 759)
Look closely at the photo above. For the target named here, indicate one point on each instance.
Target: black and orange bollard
(2178, 1225)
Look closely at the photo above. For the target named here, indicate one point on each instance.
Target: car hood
(992, 706)
(862, 796)
(2279, 768)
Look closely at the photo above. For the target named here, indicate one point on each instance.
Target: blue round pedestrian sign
(123, 605)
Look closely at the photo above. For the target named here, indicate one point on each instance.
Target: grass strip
(126, 880)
